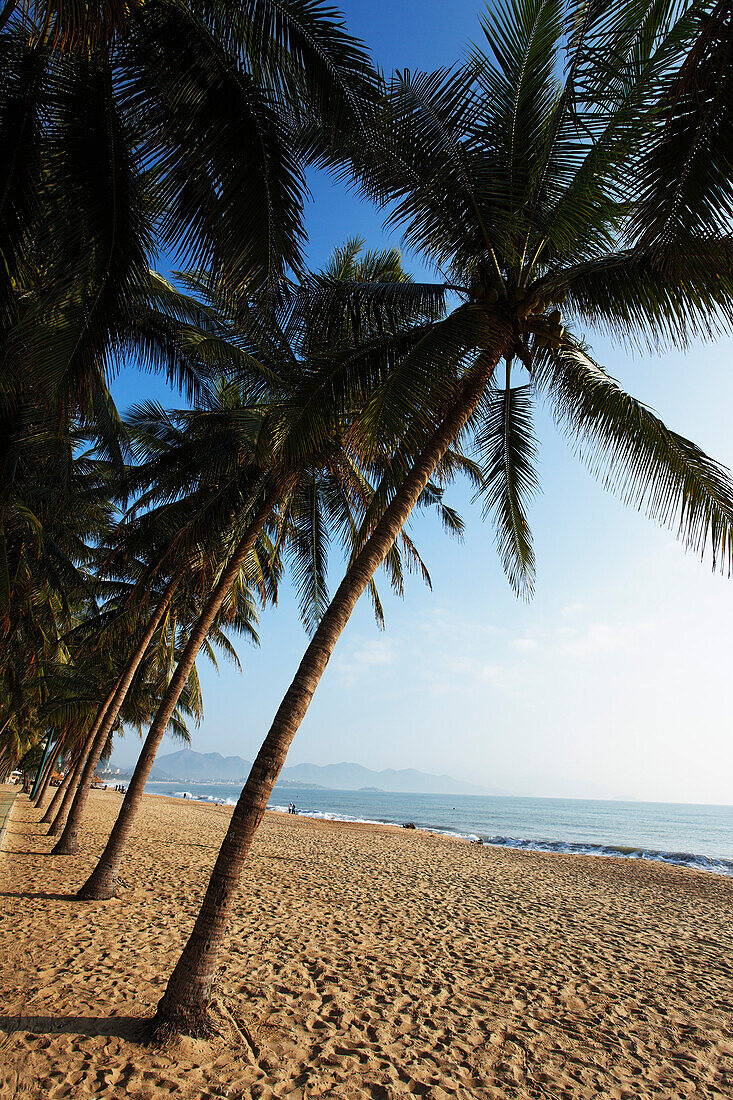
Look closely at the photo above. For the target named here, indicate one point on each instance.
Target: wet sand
(364, 961)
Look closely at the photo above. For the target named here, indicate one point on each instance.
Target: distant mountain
(353, 777)
(205, 767)
(211, 767)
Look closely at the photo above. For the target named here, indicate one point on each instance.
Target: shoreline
(364, 961)
(709, 865)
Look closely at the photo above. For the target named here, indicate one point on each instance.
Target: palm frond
(308, 552)
(686, 169)
(662, 296)
(636, 455)
(506, 444)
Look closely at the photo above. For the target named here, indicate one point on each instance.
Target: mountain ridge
(191, 766)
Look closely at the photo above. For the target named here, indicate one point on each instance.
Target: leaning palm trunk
(52, 762)
(68, 842)
(60, 790)
(57, 823)
(42, 767)
(5, 758)
(184, 1006)
(103, 881)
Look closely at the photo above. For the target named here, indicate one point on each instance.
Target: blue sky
(611, 683)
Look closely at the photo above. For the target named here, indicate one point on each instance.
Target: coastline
(365, 961)
(679, 854)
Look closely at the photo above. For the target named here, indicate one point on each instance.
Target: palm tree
(68, 842)
(73, 25)
(173, 613)
(58, 811)
(244, 484)
(128, 128)
(139, 704)
(73, 691)
(687, 170)
(54, 501)
(54, 764)
(517, 175)
(53, 752)
(57, 808)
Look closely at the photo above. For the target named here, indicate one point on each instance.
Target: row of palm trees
(573, 173)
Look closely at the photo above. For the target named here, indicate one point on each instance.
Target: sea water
(691, 835)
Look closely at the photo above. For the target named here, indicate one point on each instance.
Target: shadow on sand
(122, 1027)
(23, 894)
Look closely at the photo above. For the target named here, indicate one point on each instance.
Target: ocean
(690, 835)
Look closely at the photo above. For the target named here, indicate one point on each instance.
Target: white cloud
(600, 638)
(524, 645)
(361, 655)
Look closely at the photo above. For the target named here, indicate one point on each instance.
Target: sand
(364, 962)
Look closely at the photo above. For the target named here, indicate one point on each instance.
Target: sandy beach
(364, 962)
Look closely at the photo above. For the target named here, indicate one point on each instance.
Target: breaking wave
(565, 847)
(711, 864)
(620, 851)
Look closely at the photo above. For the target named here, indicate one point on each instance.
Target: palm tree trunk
(6, 761)
(60, 792)
(49, 771)
(58, 822)
(103, 882)
(48, 766)
(68, 842)
(42, 766)
(71, 788)
(184, 1005)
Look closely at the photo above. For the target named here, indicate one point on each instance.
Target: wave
(717, 866)
(212, 798)
(711, 864)
(329, 815)
(563, 847)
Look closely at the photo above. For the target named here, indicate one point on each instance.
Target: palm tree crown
(127, 130)
(521, 177)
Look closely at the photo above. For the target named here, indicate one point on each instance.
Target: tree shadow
(18, 852)
(22, 894)
(35, 851)
(121, 1027)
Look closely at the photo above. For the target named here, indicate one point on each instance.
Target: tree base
(66, 847)
(102, 890)
(168, 1025)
